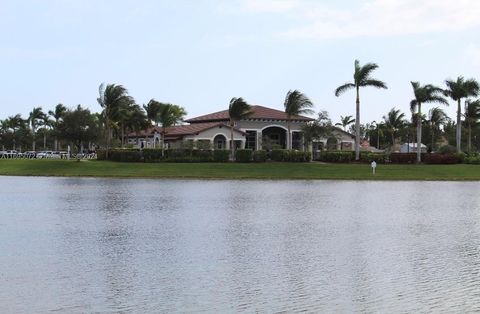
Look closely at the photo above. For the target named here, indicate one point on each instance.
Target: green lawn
(237, 171)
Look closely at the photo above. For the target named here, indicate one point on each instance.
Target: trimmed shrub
(188, 155)
(152, 155)
(447, 149)
(368, 157)
(125, 155)
(460, 157)
(221, 155)
(101, 154)
(243, 155)
(278, 154)
(336, 156)
(403, 158)
(472, 159)
(259, 156)
(440, 159)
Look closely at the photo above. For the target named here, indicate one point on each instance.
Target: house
(265, 128)
(412, 148)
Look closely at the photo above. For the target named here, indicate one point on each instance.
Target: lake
(75, 245)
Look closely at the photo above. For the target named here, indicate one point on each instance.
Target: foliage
(336, 156)
(238, 109)
(78, 126)
(447, 149)
(403, 158)
(152, 155)
(243, 155)
(440, 158)
(290, 155)
(122, 155)
(221, 155)
(368, 157)
(260, 156)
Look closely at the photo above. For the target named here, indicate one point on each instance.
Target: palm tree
(168, 116)
(15, 122)
(57, 114)
(394, 120)
(34, 119)
(238, 109)
(361, 78)
(457, 90)
(295, 104)
(436, 118)
(152, 109)
(424, 94)
(471, 115)
(345, 121)
(45, 123)
(111, 98)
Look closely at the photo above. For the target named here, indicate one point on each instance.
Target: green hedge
(441, 159)
(125, 155)
(152, 155)
(188, 155)
(243, 155)
(336, 156)
(221, 155)
(404, 158)
(287, 155)
(368, 157)
(260, 156)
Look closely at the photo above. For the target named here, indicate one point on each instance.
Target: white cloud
(473, 55)
(373, 18)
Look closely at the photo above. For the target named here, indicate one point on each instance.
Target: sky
(201, 53)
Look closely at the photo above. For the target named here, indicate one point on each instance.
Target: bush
(152, 155)
(101, 154)
(460, 157)
(278, 154)
(336, 156)
(472, 159)
(447, 149)
(125, 155)
(221, 155)
(368, 157)
(440, 159)
(243, 155)
(259, 156)
(403, 158)
(188, 155)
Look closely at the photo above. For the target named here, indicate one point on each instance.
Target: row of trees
(457, 90)
(79, 126)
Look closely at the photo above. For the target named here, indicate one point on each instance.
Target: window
(251, 140)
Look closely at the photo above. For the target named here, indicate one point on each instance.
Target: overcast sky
(200, 54)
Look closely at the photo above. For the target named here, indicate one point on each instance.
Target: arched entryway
(332, 143)
(274, 137)
(220, 142)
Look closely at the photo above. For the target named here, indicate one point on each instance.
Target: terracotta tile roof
(175, 132)
(258, 112)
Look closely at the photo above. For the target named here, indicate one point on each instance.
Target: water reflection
(101, 245)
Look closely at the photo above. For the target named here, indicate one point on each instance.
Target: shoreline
(271, 171)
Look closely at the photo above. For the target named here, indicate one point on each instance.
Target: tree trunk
(107, 121)
(433, 139)
(45, 140)
(378, 138)
(393, 141)
(469, 138)
(163, 141)
(55, 143)
(459, 127)
(419, 134)
(357, 126)
(232, 144)
(34, 140)
(288, 139)
(123, 136)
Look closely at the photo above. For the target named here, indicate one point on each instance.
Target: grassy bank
(237, 171)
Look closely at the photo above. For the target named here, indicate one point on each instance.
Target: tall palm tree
(238, 109)
(436, 118)
(296, 103)
(46, 123)
(361, 78)
(471, 115)
(111, 98)
(457, 90)
(345, 121)
(35, 118)
(57, 114)
(423, 95)
(394, 120)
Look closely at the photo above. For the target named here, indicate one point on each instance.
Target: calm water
(104, 245)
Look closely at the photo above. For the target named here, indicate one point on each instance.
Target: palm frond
(342, 89)
(374, 83)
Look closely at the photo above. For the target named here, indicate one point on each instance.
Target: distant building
(412, 148)
(266, 128)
